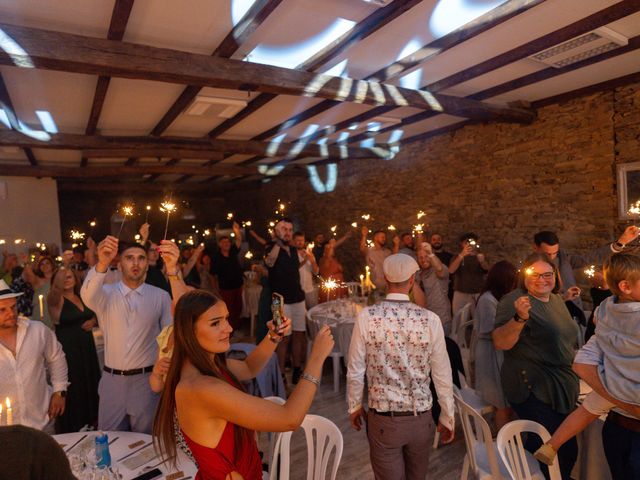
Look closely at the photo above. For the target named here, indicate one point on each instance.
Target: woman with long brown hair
(203, 400)
(73, 324)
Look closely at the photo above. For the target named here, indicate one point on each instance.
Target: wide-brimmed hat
(6, 292)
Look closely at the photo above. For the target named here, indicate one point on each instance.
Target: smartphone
(155, 473)
(277, 309)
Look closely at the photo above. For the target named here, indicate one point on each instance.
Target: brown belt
(624, 422)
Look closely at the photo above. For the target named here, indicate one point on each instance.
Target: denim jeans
(622, 449)
(534, 409)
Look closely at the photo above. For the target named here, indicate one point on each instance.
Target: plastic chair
(273, 436)
(461, 321)
(482, 455)
(515, 457)
(323, 437)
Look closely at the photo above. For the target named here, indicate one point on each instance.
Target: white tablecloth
(121, 448)
(250, 299)
(340, 315)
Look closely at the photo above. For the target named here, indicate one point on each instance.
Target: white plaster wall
(29, 211)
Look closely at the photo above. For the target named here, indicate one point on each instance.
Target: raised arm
(458, 259)
(170, 254)
(219, 399)
(92, 289)
(186, 269)
(419, 296)
(363, 240)
(55, 299)
(258, 238)
(342, 239)
(238, 234)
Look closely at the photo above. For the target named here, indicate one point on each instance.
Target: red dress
(216, 463)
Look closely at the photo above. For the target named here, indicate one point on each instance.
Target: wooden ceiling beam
(117, 26)
(137, 171)
(114, 147)
(7, 105)
(78, 54)
(187, 189)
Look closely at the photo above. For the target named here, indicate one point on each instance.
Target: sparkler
(126, 210)
(92, 224)
(391, 228)
(366, 216)
(75, 235)
(230, 216)
(420, 214)
(167, 207)
(246, 223)
(333, 230)
(310, 247)
(473, 243)
(354, 224)
(18, 241)
(634, 208)
(248, 255)
(528, 271)
(418, 228)
(2, 241)
(146, 218)
(590, 272)
(206, 232)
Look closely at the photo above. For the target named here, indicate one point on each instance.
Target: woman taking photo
(538, 336)
(203, 392)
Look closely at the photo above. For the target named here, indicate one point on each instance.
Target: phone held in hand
(277, 309)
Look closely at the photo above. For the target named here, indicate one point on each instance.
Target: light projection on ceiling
(318, 185)
(239, 9)
(452, 14)
(414, 78)
(16, 124)
(18, 54)
(291, 56)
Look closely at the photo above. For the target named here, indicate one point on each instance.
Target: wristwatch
(519, 319)
(61, 393)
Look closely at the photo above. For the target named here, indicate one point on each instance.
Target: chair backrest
(459, 324)
(512, 450)
(323, 437)
(476, 433)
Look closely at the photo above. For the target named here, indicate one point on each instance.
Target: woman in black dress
(73, 324)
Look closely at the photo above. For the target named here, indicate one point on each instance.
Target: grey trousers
(126, 403)
(399, 446)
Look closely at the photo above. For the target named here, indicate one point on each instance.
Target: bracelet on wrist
(310, 378)
(517, 318)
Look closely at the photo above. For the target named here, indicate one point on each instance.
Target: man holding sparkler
(398, 345)
(308, 269)
(469, 267)
(548, 243)
(228, 274)
(282, 261)
(131, 314)
(375, 255)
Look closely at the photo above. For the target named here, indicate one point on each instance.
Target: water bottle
(103, 456)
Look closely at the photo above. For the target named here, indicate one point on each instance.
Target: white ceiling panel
(134, 107)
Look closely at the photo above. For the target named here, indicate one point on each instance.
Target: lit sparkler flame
(473, 243)
(420, 214)
(75, 235)
(391, 228)
(366, 216)
(590, 272)
(229, 216)
(634, 208)
(92, 224)
(248, 255)
(354, 224)
(167, 207)
(418, 228)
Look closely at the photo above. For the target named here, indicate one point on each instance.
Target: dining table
(340, 315)
(132, 454)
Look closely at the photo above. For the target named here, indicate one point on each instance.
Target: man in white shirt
(28, 350)
(398, 344)
(131, 314)
(308, 268)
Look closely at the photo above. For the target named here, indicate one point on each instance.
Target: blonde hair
(619, 267)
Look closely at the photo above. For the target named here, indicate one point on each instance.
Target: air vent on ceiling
(215, 106)
(580, 48)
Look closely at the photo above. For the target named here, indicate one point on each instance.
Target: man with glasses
(548, 243)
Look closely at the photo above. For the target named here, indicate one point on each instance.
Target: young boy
(617, 345)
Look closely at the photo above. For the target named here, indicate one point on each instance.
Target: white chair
(516, 459)
(273, 436)
(323, 438)
(481, 454)
(461, 321)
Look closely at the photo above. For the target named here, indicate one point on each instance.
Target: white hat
(399, 267)
(6, 292)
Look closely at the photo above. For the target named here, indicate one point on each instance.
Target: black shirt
(444, 257)
(284, 276)
(228, 269)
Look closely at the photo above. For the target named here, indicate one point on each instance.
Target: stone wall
(505, 182)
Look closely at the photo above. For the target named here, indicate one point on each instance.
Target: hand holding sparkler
(629, 235)
(170, 254)
(107, 251)
(523, 305)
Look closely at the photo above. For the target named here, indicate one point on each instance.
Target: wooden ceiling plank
(114, 147)
(137, 187)
(7, 105)
(120, 172)
(170, 162)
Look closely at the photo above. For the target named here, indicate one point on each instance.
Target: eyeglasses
(536, 276)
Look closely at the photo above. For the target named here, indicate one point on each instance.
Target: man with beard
(438, 249)
(375, 256)
(131, 314)
(283, 263)
(407, 245)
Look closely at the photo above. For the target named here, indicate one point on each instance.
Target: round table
(340, 315)
(126, 448)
